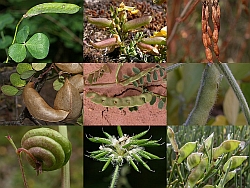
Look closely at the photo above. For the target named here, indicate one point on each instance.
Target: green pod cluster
(235, 162)
(197, 173)
(185, 151)
(48, 147)
(193, 160)
(206, 96)
(65, 8)
(119, 102)
(225, 147)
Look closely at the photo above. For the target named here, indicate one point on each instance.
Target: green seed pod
(185, 151)
(236, 161)
(48, 146)
(208, 186)
(66, 8)
(197, 173)
(193, 160)
(106, 164)
(224, 180)
(225, 147)
(155, 40)
(136, 23)
(100, 22)
(206, 96)
(171, 137)
(207, 143)
(100, 140)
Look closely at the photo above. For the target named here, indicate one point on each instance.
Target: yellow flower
(162, 33)
(130, 9)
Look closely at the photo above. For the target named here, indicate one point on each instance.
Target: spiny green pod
(197, 173)
(236, 161)
(193, 160)
(224, 180)
(155, 40)
(120, 102)
(65, 8)
(100, 140)
(225, 147)
(185, 151)
(206, 97)
(48, 147)
(171, 137)
(207, 143)
(136, 23)
(100, 22)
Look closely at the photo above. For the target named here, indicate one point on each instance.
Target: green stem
(174, 66)
(233, 83)
(65, 168)
(115, 176)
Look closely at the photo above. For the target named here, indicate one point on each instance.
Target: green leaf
(135, 83)
(4, 43)
(5, 20)
(153, 100)
(9, 90)
(39, 66)
(22, 35)
(161, 72)
(136, 70)
(17, 52)
(90, 78)
(141, 80)
(23, 67)
(38, 45)
(160, 104)
(125, 76)
(16, 80)
(149, 78)
(57, 84)
(27, 74)
(155, 76)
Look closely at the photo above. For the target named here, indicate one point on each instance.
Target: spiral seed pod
(68, 99)
(73, 68)
(48, 147)
(38, 108)
(185, 151)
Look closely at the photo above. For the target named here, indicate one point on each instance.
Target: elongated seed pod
(225, 147)
(147, 48)
(171, 137)
(66, 8)
(38, 108)
(100, 22)
(136, 23)
(235, 162)
(185, 151)
(193, 160)
(77, 82)
(68, 98)
(209, 55)
(106, 43)
(73, 68)
(155, 40)
(206, 96)
(48, 146)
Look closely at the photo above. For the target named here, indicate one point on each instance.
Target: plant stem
(115, 176)
(233, 83)
(175, 66)
(65, 168)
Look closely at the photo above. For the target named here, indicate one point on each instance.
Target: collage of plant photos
(125, 94)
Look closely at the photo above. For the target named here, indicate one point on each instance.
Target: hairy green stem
(174, 66)
(236, 88)
(115, 176)
(65, 168)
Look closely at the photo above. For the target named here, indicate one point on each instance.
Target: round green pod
(185, 151)
(193, 160)
(48, 146)
(206, 96)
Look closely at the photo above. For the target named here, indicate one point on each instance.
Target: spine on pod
(206, 96)
(48, 147)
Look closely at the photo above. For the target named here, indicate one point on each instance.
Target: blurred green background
(63, 30)
(10, 174)
(94, 178)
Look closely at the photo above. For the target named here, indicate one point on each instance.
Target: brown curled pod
(205, 40)
(209, 31)
(38, 108)
(215, 36)
(209, 55)
(77, 82)
(68, 98)
(73, 68)
(216, 50)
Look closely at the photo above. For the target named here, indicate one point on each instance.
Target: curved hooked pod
(120, 102)
(38, 108)
(48, 147)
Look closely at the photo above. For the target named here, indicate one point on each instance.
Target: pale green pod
(225, 147)
(207, 143)
(185, 151)
(236, 161)
(155, 40)
(100, 22)
(107, 164)
(136, 23)
(208, 186)
(171, 137)
(48, 147)
(206, 96)
(230, 175)
(193, 160)
(66, 8)
(197, 173)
